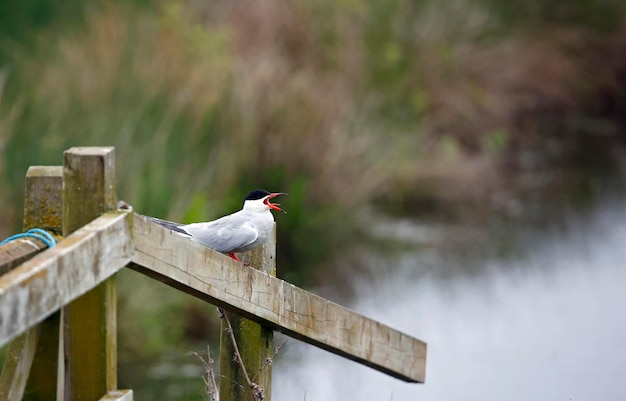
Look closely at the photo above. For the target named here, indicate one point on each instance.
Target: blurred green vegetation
(417, 107)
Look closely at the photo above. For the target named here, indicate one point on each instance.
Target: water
(549, 324)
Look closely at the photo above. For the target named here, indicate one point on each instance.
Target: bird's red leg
(233, 256)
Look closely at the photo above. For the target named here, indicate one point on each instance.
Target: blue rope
(41, 235)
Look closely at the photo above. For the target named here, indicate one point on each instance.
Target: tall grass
(339, 103)
(197, 111)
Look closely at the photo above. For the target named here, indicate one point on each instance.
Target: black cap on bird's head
(266, 196)
(257, 194)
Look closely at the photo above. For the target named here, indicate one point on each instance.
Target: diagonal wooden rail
(209, 275)
(54, 278)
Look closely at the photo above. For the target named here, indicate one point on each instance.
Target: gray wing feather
(169, 224)
(224, 235)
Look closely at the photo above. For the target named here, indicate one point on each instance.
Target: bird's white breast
(263, 224)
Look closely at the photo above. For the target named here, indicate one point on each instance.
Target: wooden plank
(17, 364)
(118, 395)
(255, 341)
(18, 251)
(46, 373)
(209, 275)
(55, 277)
(91, 336)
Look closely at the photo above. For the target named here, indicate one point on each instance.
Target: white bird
(241, 231)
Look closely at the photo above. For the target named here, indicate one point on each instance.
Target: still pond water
(548, 323)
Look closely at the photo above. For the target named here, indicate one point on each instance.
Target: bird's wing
(227, 234)
(169, 224)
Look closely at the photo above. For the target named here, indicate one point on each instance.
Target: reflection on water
(550, 325)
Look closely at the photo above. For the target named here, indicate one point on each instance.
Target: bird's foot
(233, 256)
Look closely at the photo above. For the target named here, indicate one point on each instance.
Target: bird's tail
(169, 224)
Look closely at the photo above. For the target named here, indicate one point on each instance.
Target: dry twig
(209, 380)
(270, 360)
(257, 391)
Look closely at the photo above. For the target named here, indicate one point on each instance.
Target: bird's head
(262, 197)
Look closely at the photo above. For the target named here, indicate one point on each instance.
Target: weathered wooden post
(43, 208)
(43, 198)
(37, 350)
(89, 191)
(255, 341)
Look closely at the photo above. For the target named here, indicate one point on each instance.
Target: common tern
(239, 232)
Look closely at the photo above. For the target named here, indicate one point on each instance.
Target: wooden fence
(58, 305)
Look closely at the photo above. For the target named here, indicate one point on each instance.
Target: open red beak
(274, 206)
